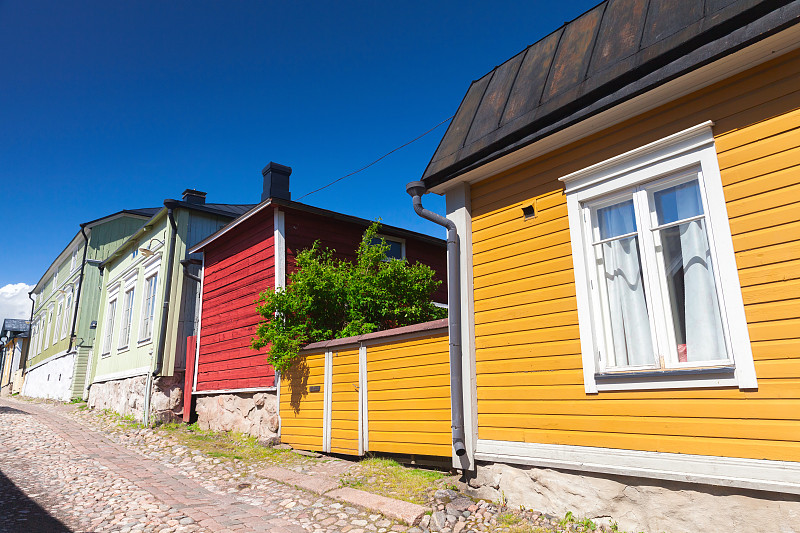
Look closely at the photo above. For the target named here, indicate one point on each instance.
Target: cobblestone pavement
(63, 469)
(91, 483)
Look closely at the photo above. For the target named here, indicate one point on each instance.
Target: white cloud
(14, 302)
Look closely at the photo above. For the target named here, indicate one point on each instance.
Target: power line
(377, 160)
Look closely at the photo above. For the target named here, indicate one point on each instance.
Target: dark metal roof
(334, 215)
(142, 212)
(15, 325)
(611, 53)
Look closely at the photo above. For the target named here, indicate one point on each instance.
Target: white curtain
(630, 326)
(704, 338)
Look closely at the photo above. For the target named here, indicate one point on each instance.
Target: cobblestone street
(77, 477)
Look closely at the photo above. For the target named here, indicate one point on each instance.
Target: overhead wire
(387, 154)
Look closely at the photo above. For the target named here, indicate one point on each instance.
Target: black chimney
(191, 196)
(276, 181)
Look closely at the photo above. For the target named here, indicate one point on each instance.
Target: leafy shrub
(328, 298)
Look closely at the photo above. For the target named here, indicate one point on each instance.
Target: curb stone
(407, 512)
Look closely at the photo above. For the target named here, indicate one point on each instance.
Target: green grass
(227, 445)
(508, 519)
(389, 478)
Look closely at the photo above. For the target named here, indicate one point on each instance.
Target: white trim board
(136, 372)
(279, 248)
(755, 474)
(459, 211)
(233, 391)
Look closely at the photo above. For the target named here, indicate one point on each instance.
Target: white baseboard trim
(233, 391)
(755, 474)
(136, 372)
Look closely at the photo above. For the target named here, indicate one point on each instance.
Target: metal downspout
(80, 287)
(416, 189)
(30, 341)
(162, 340)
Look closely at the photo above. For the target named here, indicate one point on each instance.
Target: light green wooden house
(148, 309)
(65, 305)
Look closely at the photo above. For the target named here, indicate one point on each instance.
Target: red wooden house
(255, 252)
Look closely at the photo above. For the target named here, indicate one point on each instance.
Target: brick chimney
(192, 196)
(276, 181)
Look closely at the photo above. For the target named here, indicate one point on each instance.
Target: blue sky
(113, 105)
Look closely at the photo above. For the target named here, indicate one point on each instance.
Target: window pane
(626, 303)
(696, 321)
(679, 202)
(616, 220)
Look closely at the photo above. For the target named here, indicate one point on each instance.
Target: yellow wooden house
(627, 193)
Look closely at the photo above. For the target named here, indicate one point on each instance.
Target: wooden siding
(237, 269)
(344, 402)
(301, 410)
(529, 369)
(408, 396)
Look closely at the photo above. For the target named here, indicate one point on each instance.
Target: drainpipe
(30, 326)
(162, 337)
(80, 287)
(186, 273)
(416, 189)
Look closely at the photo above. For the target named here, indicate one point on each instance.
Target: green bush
(328, 298)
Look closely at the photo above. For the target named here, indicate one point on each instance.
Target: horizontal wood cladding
(408, 394)
(238, 267)
(301, 410)
(344, 402)
(303, 228)
(529, 367)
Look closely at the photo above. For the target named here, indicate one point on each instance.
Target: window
(74, 264)
(50, 333)
(148, 307)
(109, 328)
(659, 302)
(397, 246)
(127, 315)
(67, 316)
(59, 317)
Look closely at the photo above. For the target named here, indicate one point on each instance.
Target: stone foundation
(126, 397)
(252, 413)
(637, 504)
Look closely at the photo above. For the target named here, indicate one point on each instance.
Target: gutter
(416, 189)
(80, 287)
(162, 340)
(30, 322)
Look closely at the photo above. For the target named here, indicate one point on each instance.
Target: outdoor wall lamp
(146, 251)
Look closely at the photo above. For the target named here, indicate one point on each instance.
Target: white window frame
(689, 150)
(109, 321)
(128, 305)
(50, 336)
(74, 262)
(151, 270)
(65, 324)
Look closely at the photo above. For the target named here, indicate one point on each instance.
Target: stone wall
(252, 413)
(637, 504)
(126, 397)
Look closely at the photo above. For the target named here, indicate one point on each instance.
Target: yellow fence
(384, 392)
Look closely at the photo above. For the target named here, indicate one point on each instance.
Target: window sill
(105, 355)
(144, 341)
(681, 378)
(123, 349)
